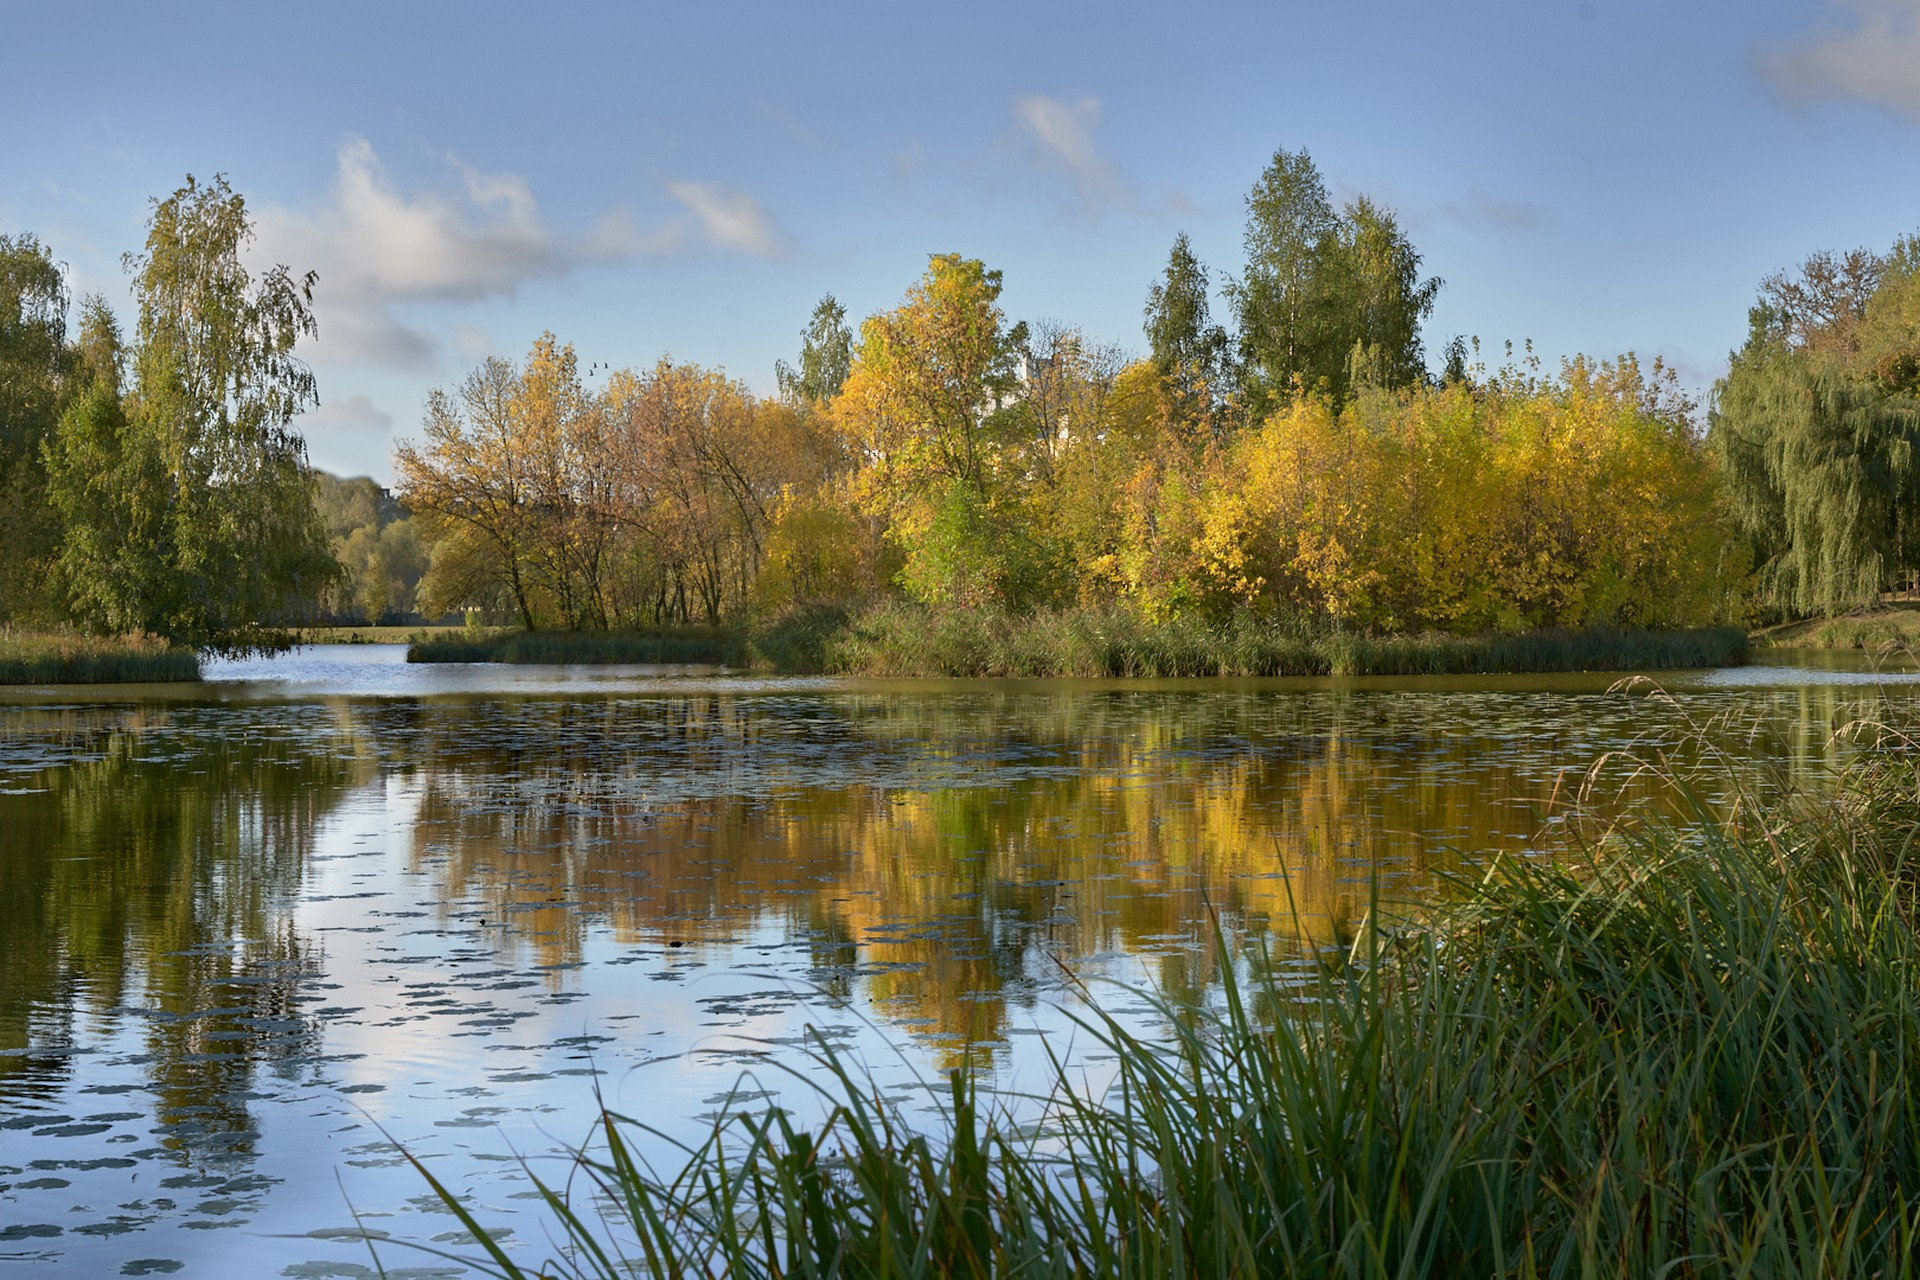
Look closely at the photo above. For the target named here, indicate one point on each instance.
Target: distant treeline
(1300, 462)
(1305, 466)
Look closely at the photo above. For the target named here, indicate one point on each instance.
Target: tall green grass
(1667, 1052)
(906, 640)
(70, 657)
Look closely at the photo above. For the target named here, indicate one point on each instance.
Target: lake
(255, 932)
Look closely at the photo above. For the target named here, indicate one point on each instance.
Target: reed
(1668, 1050)
(904, 640)
(70, 657)
(703, 646)
(896, 639)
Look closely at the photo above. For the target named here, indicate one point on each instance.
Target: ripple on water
(270, 929)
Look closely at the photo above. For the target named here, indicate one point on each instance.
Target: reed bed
(703, 646)
(902, 640)
(70, 657)
(1670, 1050)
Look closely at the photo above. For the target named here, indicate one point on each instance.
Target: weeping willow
(1822, 471)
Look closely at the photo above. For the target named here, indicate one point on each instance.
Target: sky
(642, 180)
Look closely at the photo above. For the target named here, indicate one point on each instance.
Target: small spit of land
(901, 640)
(71, 657)
(1887, 626)
(1662, 1051)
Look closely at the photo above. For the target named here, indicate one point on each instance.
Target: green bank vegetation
(1661, 1051)
(1891, 628)
(700, 645)
(73, 657)
(902, 640)
(362, 633)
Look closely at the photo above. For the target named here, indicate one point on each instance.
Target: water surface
(254, 932)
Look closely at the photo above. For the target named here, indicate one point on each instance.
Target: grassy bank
(1663, 1053)
(705, 645)
(1893, 626)
(66, 657)
(899, 640)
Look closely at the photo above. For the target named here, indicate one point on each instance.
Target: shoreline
(900, 642)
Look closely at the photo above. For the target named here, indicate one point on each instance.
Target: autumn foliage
(963, 463)
(1518, 504)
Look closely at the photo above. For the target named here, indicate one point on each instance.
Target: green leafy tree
(1282, 318)
(1191, 352)
(1378, 299)
(33, 345)
(188, 507)
(1331, 301)
(35, 380)
(1816, 426)
(379, 550)
(826, 355)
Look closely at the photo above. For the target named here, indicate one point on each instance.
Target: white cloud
(354, 413)
(379, 250)
(1862, 49)
(730, 219)
(1064, 132)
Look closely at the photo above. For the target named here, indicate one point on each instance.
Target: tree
(1820, 308)
(35, 377)
(646, 503)
(926, 378)
(1378, 298)
(1817, 424)
(474, 484)
(188, 509)
(1190, 351)
(379, 550)
(33, 346)
(1330, 301)
(1065, 378)
(826, 354)
(700, 465)
(1289, 220)
(919, 410)
(1821, 468)
(1890, 335)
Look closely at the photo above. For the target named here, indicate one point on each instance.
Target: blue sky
(689, 179)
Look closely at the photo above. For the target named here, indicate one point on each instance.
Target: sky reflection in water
(251, 931)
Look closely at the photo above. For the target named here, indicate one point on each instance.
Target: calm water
(254, 933)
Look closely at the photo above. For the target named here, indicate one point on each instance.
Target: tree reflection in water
(946, 862)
